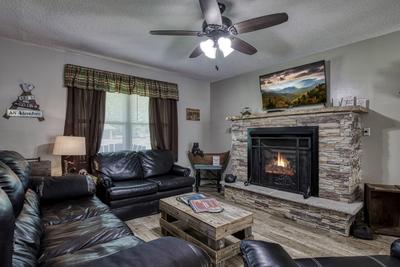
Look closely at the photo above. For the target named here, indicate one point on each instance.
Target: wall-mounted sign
(25, 106)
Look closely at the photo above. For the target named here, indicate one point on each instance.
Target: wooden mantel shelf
(297, 112)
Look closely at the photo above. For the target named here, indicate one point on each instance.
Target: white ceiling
(119, 29)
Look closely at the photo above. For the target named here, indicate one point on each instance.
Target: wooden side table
(205, 167)
(381, 209)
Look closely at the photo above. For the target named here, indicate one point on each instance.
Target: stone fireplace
(284, 158)
(302, 164)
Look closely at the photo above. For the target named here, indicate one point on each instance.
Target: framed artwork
(192, 114)
(299, 86)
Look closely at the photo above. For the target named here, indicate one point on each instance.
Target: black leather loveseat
(131, 183)
(61, 223)
(263, 254)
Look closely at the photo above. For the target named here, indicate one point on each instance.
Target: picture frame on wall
(192, 114)
(299, 86)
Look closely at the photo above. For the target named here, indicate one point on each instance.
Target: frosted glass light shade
(224, 45)
(208, 48)
(69, 146)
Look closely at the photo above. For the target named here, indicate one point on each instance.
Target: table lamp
(69, 146)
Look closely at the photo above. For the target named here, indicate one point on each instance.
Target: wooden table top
(229, 216)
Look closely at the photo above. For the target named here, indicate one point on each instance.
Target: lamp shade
(70, 146)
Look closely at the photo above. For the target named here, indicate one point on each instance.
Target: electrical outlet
(366, 131)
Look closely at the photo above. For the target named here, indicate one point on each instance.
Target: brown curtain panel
(163, 118)
(85, 117)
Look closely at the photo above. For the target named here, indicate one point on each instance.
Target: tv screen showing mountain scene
(299, 86)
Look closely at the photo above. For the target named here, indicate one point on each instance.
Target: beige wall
(366, 69)
(43, 67)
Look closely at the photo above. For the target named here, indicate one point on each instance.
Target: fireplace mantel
(297, 112)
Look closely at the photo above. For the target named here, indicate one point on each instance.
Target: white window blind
(126, 124)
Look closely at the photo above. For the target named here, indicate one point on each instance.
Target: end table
(205, 167)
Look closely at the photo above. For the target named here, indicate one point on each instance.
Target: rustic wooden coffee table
(219, 234)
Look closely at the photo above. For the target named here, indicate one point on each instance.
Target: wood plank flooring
(299, 241)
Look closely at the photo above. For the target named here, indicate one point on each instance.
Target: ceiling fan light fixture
(208, 48)
(224, 45)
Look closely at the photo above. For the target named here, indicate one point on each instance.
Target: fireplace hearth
(284, 158)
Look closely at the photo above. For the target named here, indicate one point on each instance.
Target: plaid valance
(93, 79)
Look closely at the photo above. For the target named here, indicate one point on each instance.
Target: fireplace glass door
(283, 161)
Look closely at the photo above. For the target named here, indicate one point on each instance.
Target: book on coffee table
(205, 205)
(186, 199)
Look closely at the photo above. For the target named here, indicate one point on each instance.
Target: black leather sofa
(265, 254)
(132, 183)
(59, 222)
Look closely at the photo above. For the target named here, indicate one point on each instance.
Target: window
(126, 124)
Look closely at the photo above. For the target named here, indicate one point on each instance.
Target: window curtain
(87, 89)
(85, 117)
(163, 120)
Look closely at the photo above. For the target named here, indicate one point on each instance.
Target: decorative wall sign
(25, 106)
(192, 114)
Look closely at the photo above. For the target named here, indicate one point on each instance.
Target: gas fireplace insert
(284, 158)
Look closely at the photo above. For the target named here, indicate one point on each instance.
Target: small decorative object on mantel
(25, 106)
(352, 101)
(193, 114)
(246, 111)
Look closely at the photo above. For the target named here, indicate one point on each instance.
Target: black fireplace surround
(284, 158)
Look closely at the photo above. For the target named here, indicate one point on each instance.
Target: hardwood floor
(299, 241)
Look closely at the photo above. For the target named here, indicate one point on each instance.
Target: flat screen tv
(299, 86)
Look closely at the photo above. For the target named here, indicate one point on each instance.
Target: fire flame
(281, 161)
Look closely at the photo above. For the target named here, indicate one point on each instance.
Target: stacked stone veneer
(339, 163)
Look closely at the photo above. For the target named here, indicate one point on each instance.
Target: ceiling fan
(222, 33)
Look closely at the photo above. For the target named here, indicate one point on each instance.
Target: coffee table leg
(246, 233)
(168, 218)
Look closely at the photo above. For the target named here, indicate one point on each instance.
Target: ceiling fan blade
(175, 33)
(211, 12)
(196, 52)
(242, 46)
(259, 23)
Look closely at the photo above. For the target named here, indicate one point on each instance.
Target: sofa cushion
(156, 162)
(122, 165)
(71, 237)
(18, 164)
(170, 182)
(72, 210)
(131, 188)
(11, 184)
(87, 255)
(28, 232)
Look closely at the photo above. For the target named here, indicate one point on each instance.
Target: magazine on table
(186, 199)
(201, 203)
(205, 205)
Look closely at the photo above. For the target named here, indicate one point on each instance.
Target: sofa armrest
(179, 170)
(105, 181)
(395, 249)
(260, 253)
(63, 187)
